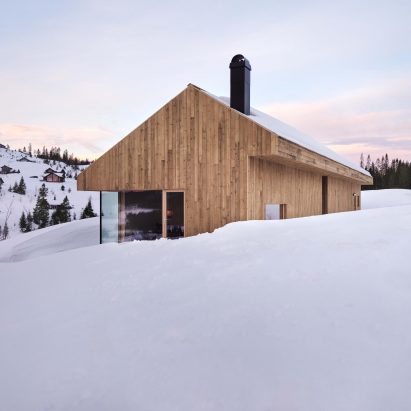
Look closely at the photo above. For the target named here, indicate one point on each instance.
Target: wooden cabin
(6, 170)
(25, 159)
(202, 161)
(52, 176)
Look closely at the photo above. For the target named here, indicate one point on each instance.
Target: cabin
(25, 159)
(202, 161)
(6, 170)
(52, 176)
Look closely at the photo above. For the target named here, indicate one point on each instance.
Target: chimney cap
(240, 61)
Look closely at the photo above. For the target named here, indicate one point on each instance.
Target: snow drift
(50, 240)
(303, 314)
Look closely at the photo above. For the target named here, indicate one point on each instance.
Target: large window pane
(142, 215)
(109, 217)
(175, 214)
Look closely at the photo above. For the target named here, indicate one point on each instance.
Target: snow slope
(54, 239)
(18, 203)
(385, 198)
(304, 314)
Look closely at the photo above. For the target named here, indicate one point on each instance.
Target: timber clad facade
(228, 167)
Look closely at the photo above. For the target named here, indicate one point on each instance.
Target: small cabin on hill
(6, 170)
(52, 176)
(25, 159)
(203, 161)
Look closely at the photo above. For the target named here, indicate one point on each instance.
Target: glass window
(275, 211)
(141, 215)
(109, 217)
(175, 214)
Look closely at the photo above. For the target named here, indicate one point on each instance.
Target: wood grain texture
(226, 164)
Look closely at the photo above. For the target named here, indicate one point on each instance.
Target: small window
(275, 211)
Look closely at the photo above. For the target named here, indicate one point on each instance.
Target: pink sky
(83, 74)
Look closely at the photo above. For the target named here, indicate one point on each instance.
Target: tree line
(387, 173)
(56, 154)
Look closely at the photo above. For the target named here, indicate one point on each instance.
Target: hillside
(304, 314)
(32, 173)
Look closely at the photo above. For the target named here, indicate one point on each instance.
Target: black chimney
(240, 84)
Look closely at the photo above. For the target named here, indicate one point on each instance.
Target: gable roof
(56, 173)
(291, 134)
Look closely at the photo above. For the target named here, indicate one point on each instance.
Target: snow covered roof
(291, 134)
(47, 173)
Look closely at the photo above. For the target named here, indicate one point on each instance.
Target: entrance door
(173, 214)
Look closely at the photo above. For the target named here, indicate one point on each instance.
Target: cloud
(374, 119)
(83, 142)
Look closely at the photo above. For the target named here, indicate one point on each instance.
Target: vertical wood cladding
(213, 153)
(273, 183)
(341, 194)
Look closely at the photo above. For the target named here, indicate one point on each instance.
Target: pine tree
(62, 213)
(21, 187)
(88, 211)
(41, 210)
(65, 207)
(5, 231)
(29, 225)
(23, 223)
(368, 165)
(15, 187)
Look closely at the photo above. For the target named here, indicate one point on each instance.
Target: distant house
(6, 170)
(202, 161)
(26, 159)
(52, 176)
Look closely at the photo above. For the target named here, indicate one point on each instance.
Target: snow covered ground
(303, 314)
(385, 198)
(32, 174)
(50, 240)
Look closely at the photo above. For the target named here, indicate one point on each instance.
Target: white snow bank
(385, 198)
(304, 314)
(292, 134)
(62, 237)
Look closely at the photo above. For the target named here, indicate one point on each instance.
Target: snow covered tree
(5, 231)
(88, 211)
(62, 213)
(23, 223)
(63, 188)
(21, 189)
(29, 225)
(15, 187)
(41, 210)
